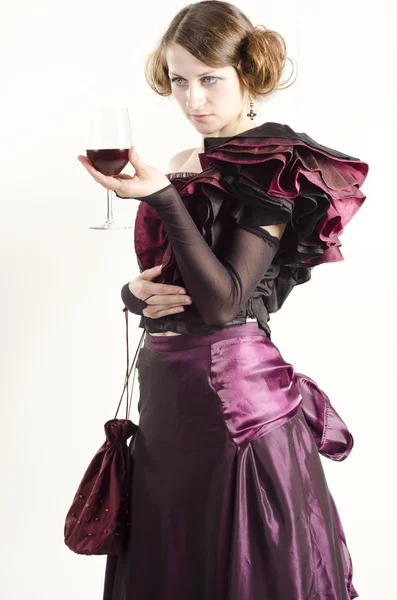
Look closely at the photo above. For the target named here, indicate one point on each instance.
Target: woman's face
(200, 89)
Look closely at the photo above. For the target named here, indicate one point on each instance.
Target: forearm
(218, 291)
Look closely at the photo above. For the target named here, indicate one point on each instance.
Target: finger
(105, 180)
(167, 300)
(122, 176)
(136, 161)
(152, 270)
(108, 182)
(83, 158)
(151, 273)
(159, 288)
(166, 293)
(157, 314)
(164, 289)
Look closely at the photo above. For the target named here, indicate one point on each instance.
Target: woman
(229, 498)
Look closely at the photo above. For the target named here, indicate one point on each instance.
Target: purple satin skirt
(229, 499)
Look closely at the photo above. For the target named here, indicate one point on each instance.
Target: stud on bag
(99, 517)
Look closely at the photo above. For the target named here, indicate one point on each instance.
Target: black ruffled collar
(281, 176)
(273, 130)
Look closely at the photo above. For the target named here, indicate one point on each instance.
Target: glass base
(111, 225)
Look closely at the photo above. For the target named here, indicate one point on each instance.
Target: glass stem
(109, 217)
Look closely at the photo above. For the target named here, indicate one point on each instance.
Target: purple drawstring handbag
(99, 517)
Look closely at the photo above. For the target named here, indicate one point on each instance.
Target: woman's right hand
(167, 299)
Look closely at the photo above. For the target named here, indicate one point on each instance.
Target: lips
(200, 117)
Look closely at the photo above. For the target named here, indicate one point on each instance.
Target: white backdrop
(62, 329)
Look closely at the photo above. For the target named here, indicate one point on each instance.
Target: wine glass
(108, 142)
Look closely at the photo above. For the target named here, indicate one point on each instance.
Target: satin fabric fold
(229, 499)
(245, 368)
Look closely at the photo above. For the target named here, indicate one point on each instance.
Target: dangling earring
(251, 113)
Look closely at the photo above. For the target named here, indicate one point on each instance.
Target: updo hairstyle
(219, 35)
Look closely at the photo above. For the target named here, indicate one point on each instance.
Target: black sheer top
(205, 228)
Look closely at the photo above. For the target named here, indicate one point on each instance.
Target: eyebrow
(201, 75)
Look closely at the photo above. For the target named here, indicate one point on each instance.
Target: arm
(217, 288)
(130, 300)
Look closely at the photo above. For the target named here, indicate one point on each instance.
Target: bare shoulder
(276, 230)
(179, 159)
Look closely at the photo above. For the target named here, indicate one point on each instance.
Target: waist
(184, 342)
(167, 333)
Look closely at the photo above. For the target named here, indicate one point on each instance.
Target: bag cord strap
(128, 371)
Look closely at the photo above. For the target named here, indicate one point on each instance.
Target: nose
(195, 97)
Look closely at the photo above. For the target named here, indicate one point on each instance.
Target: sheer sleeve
(269, 175)
(219, 287)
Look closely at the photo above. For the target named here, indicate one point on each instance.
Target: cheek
(179, 95)
(233, 91)
(226, 93)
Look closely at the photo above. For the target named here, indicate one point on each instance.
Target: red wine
(108, 162)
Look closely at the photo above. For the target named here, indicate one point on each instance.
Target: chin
(208, 123)
(202, 124)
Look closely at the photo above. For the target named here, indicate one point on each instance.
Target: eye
(174, 79)
(210, 77)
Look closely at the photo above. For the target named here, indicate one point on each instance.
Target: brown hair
(219, 35)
